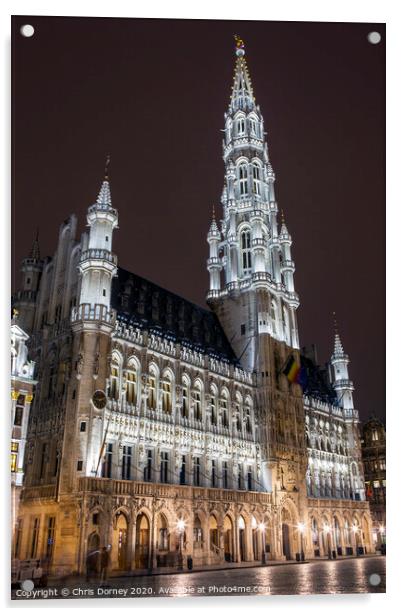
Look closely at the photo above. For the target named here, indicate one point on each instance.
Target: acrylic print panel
(194, 410)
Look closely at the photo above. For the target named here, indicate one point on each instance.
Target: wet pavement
(355, 575)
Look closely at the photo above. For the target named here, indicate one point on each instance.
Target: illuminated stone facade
(167, 430)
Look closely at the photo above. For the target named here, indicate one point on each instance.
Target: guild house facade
(168, 431)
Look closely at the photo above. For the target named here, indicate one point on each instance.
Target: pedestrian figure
(92, 564)
(104, 564)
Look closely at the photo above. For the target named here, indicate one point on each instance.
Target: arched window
(197, 531)
(197, 401)
(243, 182)
(241, 126)
(114, 389)
(286, 325)
(274, 311)
(254, 127)
(214, 396)
(247, 417)
(224, 410)
(131, 386)
(167, 393)
(245, 243)
(152, 391)
(256, 179)
(186, 396)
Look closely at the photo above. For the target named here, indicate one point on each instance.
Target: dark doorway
(286, 541)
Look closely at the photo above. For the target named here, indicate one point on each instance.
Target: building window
(225, 475)
(164, 466)
(14, 456)
(213, 408)
(224, 412)
(243, 181)
(256, 179)
(114, 383)
(34, 538)
(148, 466)
(167, 395)
(240, 478)
(242, 329)
(83, 426)
(18, 539)
(241, 125)
(152, 391)
(107, 462)
(382, 465)
(196, 471)
(197, 402)
(51, 523)
(249, 479)
(131, 390)
(213, 473)
(56, 463)
(43, 460)
(126, 462)
(374, 435)
(245, 243)
(79, 465)
(197, 531)
(182, 478)
(19, 410)
(186, 392)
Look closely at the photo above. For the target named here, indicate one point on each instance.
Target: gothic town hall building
(167, 430)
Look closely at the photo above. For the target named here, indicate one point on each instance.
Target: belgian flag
(292, 370)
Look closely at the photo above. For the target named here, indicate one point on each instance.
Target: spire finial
(282, 217)
(335, 323)
(213, 212)
(35, 252)
(107, 163)
(239, 46)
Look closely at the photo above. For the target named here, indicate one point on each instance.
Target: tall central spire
(249, 253)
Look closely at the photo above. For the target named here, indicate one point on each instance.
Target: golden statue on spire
(239, 45)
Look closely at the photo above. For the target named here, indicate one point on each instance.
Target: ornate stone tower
(92, 322)
(25, 299)
(251, 284)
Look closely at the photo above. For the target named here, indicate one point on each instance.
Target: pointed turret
(98, 264)
(35, 252)
(214, 264)
(340, 376)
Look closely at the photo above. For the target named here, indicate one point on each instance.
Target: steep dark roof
(143, 303)
(316, 382)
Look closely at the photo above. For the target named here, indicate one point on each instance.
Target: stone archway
(286, 534)
(213, 535)
(242, 538)
(142, 542)
(120, 542)
(228, 539)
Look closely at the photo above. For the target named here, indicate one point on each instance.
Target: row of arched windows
(191, 397)
(255, 177)
(241, 125)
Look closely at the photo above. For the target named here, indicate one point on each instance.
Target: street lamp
(180, 528)
(301, 526)
(261, 526)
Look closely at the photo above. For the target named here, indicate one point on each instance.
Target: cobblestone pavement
(356, 575)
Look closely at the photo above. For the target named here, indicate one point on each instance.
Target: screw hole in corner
(27, 30)
(374, 38)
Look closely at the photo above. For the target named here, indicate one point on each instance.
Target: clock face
(99, 399)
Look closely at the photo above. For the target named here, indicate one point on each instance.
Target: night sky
(153, 94)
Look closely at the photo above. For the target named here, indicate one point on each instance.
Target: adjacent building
(167, 430)
(373, 452)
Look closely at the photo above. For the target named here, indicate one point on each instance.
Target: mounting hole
(27, 30)
(374, 38)
(374, 579)
(27, 585)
